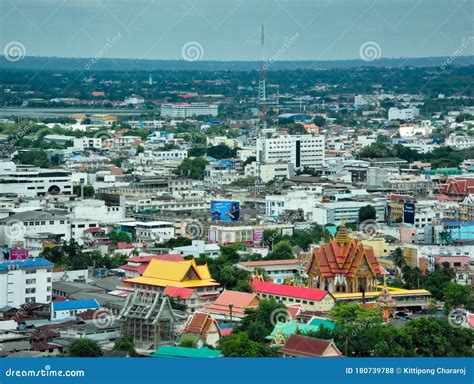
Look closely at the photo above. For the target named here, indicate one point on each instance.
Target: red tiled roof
(304, 346)
(145, 258)
(200, 324)
(124, 245)
(458, 186)
(289, 291)
(135, 268)
(239, 301)
(269, 262)
(93, 230)
(226, 331)
(176, 292)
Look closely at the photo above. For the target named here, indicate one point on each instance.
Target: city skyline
(303, 30)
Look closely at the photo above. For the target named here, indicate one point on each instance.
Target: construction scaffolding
(147, 317)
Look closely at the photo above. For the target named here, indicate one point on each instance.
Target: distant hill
(58, 63)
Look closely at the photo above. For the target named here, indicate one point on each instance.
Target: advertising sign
(409, 213)
(18, 254)
(225, 210)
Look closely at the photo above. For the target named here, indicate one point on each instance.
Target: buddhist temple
(343, 265)
(160, 274)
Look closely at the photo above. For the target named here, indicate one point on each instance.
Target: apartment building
(300, 150)
(25, 281)
(186, 110)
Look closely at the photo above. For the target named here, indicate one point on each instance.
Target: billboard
(18, 254)
(409, 213)
(225, 210)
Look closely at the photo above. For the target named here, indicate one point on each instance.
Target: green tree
(221, 151)
(456, 295)
(319, 121)
(239, 345)
(367, 213)
(281, 251)
(88, 191)
(192, 168)
(85, 348)
(398, 258)
(125, 344)
(259, 323)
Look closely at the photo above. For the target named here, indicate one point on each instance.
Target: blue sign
(225, 210)
(409, 213)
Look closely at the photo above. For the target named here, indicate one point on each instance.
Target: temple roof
(343, 256)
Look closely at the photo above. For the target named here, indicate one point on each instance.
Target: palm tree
(398, 258)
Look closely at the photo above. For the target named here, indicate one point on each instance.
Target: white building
(459, 142)
(197, 248)
(134, 100)
(345, 211)
(29, 181)
(301, 150)
(276, 205)
(403, 114)
(82, 143)
(217, 176)
(176, 155)
(25, 281)
(151, 231)
(98, 211)
(269, 171)
(186, 110)
(26, 229)
(69, 309)
(410, 130)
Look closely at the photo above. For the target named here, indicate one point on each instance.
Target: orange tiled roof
(334, 258)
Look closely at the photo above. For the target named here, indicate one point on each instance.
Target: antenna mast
(261, 84)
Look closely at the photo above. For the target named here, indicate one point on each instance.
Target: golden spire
(342, 237)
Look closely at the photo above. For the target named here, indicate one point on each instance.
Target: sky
(230, 29)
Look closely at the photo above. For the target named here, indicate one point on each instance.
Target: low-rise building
(310, 299)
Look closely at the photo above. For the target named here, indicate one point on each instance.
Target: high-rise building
(301, 150)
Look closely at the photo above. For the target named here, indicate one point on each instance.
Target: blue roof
(75, 304)
(36, 262)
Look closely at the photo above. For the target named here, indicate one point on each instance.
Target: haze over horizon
(226, 30)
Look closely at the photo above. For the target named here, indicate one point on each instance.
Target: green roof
(442, 171)
(325, 323)
(171, 351)
(289, 328)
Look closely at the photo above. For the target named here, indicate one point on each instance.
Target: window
(30, 281)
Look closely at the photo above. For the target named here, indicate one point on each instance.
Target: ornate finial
(342, 237)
